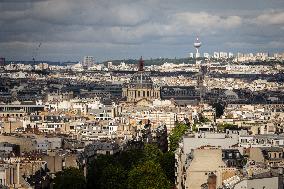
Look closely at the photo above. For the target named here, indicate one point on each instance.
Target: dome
(140, 80)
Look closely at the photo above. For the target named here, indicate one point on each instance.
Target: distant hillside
(38, 62)
(157, 61)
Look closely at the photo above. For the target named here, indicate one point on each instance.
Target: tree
(176, 135)
(152, 152)
(148, 175)
(130, 158)
(203, 119)
(95, 170)
(132, 169)
(219, 109)
(194, 127)
(113, 177)
(167, 162)
(224, 126)
(70, 178)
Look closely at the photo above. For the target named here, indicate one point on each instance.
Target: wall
(264, 183)
(205, 161)
(25, 144)
(256, 155)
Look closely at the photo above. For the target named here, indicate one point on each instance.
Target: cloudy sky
(62, 30)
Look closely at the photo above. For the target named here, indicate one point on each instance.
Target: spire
(141, 65)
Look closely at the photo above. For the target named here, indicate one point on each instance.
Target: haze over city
(68, 30)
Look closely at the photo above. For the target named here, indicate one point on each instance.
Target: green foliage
(244, 161)
(70, 178)
(194, 127)
(128, 159)
(224, 126)
(176, 135)
(95, 170)
(152, 152)
(148, 175)
(203, 119)
(167, 162)
(112, 175)
(132, 168)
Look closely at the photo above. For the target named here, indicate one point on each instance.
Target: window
(237, 155)
(230, 155)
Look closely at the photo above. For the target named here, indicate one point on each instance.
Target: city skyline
(63, 30)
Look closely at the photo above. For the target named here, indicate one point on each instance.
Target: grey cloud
(270, 18)
(126, 28)
(90, 13)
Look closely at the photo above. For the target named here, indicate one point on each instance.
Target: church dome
(140, 86)
(140, 80)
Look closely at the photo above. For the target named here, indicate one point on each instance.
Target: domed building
(140, 88)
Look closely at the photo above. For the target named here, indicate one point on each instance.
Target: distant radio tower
(197, 45)
(202, 70)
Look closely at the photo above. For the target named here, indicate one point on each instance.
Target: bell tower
(141, 65)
